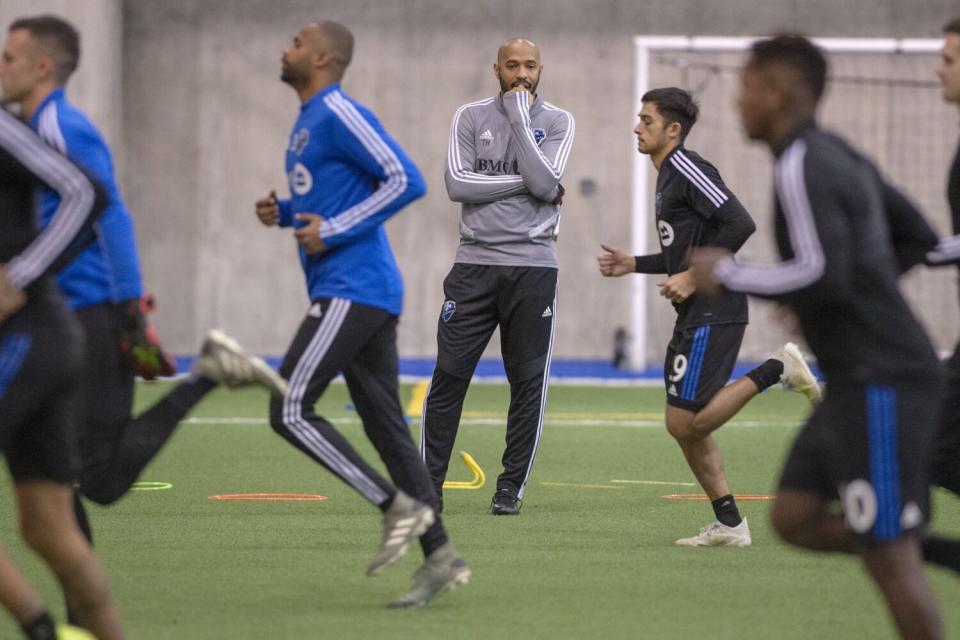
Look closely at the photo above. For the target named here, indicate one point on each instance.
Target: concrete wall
(205, 121)
(96, 86)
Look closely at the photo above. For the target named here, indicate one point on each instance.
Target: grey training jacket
(506, 158)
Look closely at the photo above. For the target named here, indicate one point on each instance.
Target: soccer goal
(882, 96)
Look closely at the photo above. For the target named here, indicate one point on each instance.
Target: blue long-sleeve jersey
(342, 165)
(109, 269)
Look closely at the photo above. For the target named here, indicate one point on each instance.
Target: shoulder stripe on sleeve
(693, 173)
(391, 189)
(49, 128)
(76, 200)
(808, 262)
(455, 162)
(563, 152)
(946, 251)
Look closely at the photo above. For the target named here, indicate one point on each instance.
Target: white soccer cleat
(405, 521)
(224, 361)
(719, 535)
(797, 375)
(442, 571)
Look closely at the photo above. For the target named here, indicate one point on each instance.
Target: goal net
(882, 96)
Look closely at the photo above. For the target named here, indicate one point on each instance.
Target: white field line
(559, 422)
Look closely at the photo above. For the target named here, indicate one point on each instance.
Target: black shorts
(477, 298)
(699, 363)
(107, 386)
(946, 455)
(40, 356)
(868, 445)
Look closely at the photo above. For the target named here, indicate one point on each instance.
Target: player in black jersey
(841, 230)
(40, 359)
(694, 208)
(945, 470)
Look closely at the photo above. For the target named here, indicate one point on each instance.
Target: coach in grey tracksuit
(506, 157)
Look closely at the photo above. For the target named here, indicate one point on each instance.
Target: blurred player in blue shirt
(103, 284)
(347, 176)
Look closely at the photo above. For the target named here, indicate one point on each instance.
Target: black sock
(40, 628)
(942, 551)
(725, 508)
(386, 504)
(767, 374)
(434, 538)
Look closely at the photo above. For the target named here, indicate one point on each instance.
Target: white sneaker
(224, 361)
(796, 373)
(442, 571)
(405, 521)
(719, 535)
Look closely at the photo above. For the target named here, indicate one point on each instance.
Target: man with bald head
(506, 157)
(347, 177)
(844, 235)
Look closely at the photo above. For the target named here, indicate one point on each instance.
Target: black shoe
(505, 504)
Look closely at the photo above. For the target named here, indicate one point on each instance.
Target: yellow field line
(656, 482)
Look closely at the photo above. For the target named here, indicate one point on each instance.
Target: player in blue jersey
(347, 176)
(103, 283)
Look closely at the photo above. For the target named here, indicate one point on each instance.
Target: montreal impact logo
(448, 308)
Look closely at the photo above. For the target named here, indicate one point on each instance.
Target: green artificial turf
(587, 558)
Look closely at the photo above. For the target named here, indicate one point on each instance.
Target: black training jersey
(947, 251)
(953, 197)
(694, 208)
(953, 192)
(839, 271)
(26, 163)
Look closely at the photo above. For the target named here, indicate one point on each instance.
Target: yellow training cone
(478, 480)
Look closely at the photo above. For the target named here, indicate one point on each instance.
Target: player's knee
(681, 429)
(43, 538)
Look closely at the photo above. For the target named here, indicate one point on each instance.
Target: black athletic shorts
(41, 351)
(699, 363)
(868, 444)
(477, 298)
(107, 386)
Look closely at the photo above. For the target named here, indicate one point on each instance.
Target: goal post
(891, 69)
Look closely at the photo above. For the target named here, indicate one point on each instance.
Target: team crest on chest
(300, 180)
(449, 307)
(299, 141)
(538, 135)
(666, 233)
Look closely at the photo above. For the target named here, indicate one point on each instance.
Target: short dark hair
(340, 41)
(675, 105)
(60, 36)
(796, 52)
(953, 26)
